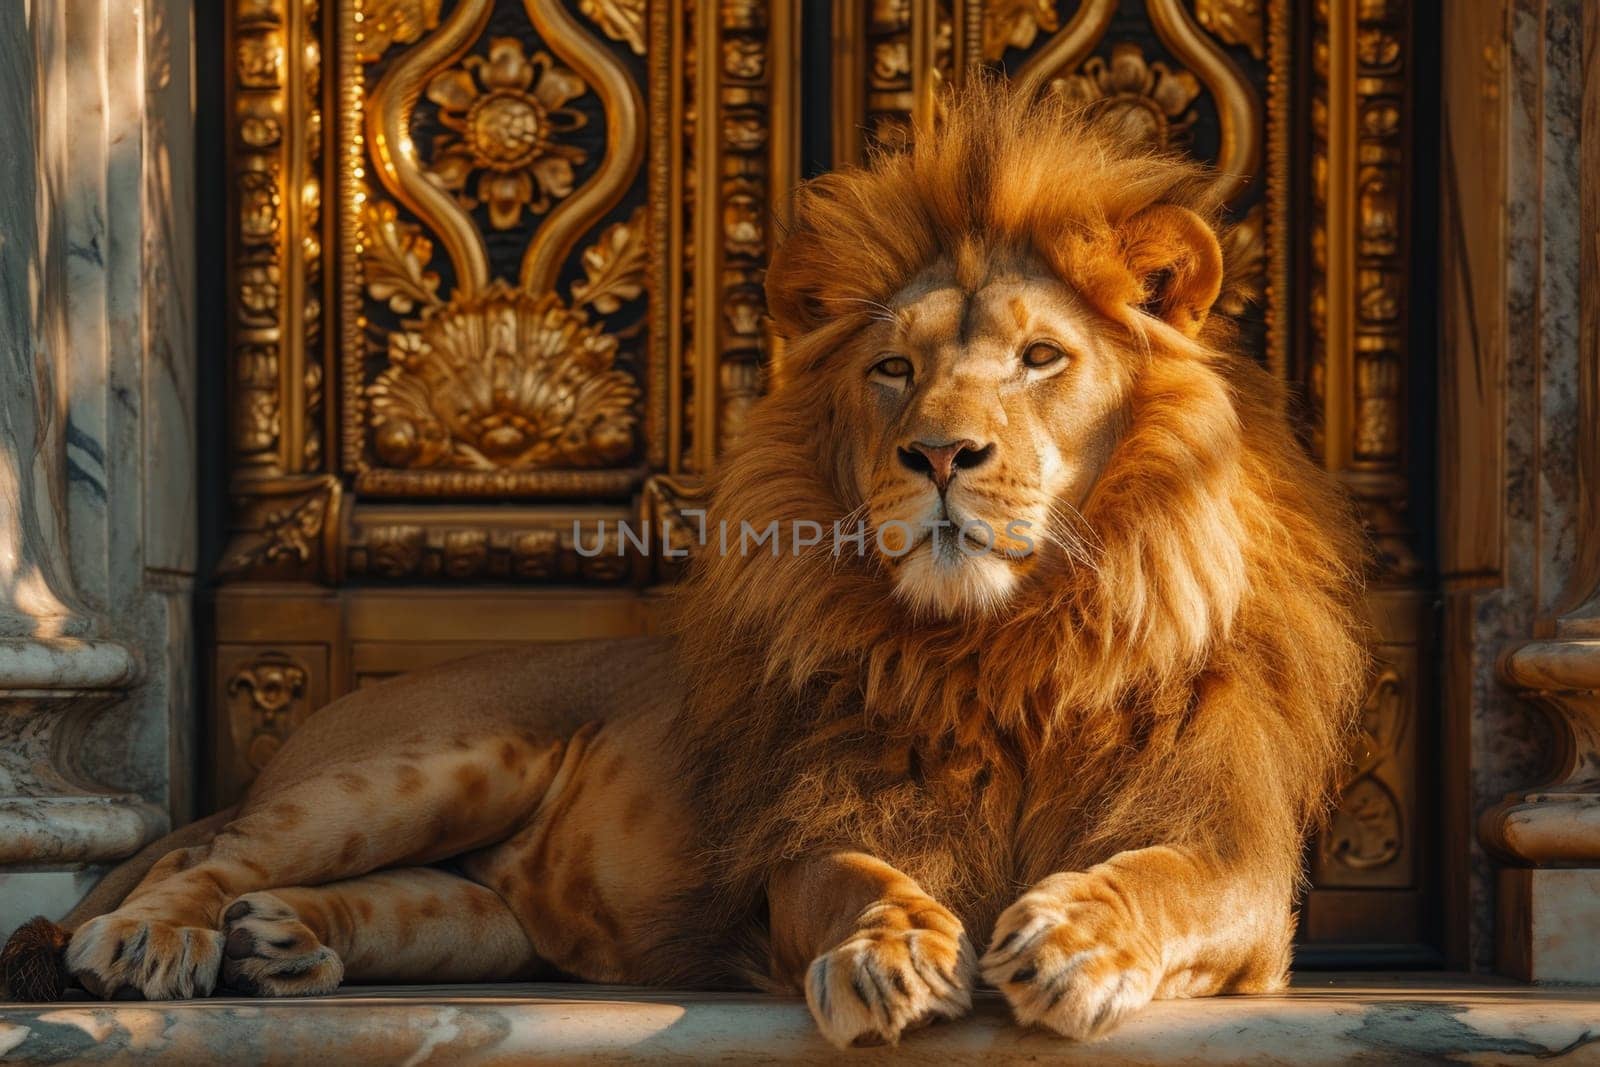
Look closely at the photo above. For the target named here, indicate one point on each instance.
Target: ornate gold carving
(503, 379)
(614, 267)
(662, 507)
(395, 257)
(267, 700)
(1366, 828)
(1240, 22)
(1149, 102)
(410, 545)
(1016, 24)
(385, 23)
(624, 151)
(1239, 117)
(387, 110)
(494, 386)
(1068, 48)
(508, 112)
(620, 20)
(283, 530)
(1359, 330)
(1369, 822)
(910, 50)
(275, 379)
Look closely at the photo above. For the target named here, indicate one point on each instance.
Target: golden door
(494, 276)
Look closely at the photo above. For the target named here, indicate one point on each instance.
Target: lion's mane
(1205, 669)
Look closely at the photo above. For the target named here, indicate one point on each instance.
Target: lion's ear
(1176, 264)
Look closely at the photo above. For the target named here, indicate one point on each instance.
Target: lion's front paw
(895, 973)
(271, 953)
(156, 960)
(1067, 956)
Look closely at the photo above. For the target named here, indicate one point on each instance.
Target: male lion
(1099, 757)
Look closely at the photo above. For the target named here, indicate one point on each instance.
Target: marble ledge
(1323, 1019)
(69, 663)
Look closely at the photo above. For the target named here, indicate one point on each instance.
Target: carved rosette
(509, 123)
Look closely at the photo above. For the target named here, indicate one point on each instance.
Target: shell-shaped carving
(503, 380)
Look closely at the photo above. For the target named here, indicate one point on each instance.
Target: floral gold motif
(385, 23)
(1150, 101)
(395, 257)
(1016, 24)
(614, 267)
(620, 20)
(1239, 22)
(507, 113)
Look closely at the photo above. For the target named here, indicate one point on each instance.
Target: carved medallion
(508, 114)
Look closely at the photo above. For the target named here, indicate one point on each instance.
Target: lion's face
(978, 418)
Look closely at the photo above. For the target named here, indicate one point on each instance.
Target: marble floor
(1323, 1019)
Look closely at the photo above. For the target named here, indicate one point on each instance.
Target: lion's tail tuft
(33, 964)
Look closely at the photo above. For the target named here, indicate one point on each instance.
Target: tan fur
(1099, 758)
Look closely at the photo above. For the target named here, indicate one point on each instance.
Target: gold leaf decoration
(506, 114)
(615, 267)
(1016, 24)
(1235, 22)
(387, 22)
(394, 259)
(504, 380)
(1150, 101)
(620, 20)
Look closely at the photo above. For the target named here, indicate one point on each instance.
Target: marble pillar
(1520, 451)
(97, 477)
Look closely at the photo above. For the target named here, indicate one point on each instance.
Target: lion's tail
(33, 962)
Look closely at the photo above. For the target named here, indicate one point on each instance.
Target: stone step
(1322, 1019)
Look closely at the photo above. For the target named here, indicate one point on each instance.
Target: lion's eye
(1041, 354)
(892, 367)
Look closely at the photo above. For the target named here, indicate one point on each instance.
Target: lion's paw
(886, 980)
(271, 953)
(1068, 957)
(112, 954)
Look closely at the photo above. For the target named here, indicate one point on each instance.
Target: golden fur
(1101, 758)
(1192, 686)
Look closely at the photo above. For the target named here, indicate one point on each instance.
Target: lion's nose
(941, 461)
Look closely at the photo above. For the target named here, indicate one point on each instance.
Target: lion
(1076, 692)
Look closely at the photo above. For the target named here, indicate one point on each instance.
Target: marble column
(1520, 453)
(97, 531)
(1548, 832)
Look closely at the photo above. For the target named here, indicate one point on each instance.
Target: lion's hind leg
(412, 801)
(402, 925)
